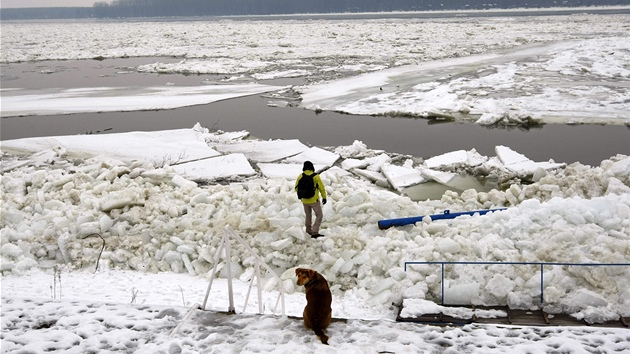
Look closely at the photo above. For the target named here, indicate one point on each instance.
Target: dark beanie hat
(308, 166)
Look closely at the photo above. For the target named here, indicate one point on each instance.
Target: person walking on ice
(309, 187)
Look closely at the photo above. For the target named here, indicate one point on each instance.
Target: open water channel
(588, 144)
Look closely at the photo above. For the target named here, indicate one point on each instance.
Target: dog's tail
(322, 336)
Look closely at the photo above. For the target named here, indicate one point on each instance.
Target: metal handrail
(225, 245)
(541, 264)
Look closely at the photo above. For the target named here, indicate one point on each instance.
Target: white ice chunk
(620, 169)
(280, 170)
(585, 298)
(377, 162)
(117, 99)
(615, 186)
(489, 118)
(519, 163)
(283, 170)
(265, 151)
(11, 251)
(357, 150)
(349, 164)
(475, 159)
(401, 177)
(413, 308)
(500, 286)
(317, 156)
(11, 165)
(372, 176)
(220, 137)
(161, 147)
(446, 245)
(280, 244)
(383, 285)
(335, 171)
(183, 183)
(459, 157)
(509, 156)
(437, 176)
(216, 167)
(463, 294)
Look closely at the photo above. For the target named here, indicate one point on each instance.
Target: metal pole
(442, 283)
(259, 286)
(249, 290)
(217, 255)
(228, 264)
(542, 299)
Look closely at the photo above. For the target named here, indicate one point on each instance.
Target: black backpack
(306, 186)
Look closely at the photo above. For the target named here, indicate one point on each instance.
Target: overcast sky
(47, 3)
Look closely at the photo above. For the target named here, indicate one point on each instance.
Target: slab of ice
(358, 150)
(317, 156)
(376, 163)
(509, 156)
(372, 176)
(116, 99)
(349, 164)
(519, 163)
(8, 166)
(620, 168)
(437, 176)
(160, 147)
(530, 167)
(280, 170)
(225, 137)
(265, 151)
(461, 294)
(335, 171)
(216, 167)
(400, 177)
(458, 157)
(475, 158)
(289, 171)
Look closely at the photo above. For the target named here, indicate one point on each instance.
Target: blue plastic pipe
(387, 223)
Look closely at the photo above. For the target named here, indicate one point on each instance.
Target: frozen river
(388, 73)
(413, 136)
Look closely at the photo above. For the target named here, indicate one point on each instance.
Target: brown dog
(317, 313)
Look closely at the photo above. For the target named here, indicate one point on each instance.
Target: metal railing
(225, 245)
(541, 264)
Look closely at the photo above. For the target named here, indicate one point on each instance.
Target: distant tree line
(158, 8)
(171, 8)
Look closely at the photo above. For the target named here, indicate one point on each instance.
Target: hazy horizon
(11, 4)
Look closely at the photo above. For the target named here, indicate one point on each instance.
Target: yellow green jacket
(319, 186)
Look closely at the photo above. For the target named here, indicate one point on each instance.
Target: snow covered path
(108, 322)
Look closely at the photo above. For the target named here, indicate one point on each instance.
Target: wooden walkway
(513, 318)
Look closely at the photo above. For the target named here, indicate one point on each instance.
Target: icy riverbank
(155, 218)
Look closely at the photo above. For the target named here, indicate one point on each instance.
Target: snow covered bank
(156, 219)
(76, 325)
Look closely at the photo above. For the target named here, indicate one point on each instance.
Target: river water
(588, 144)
